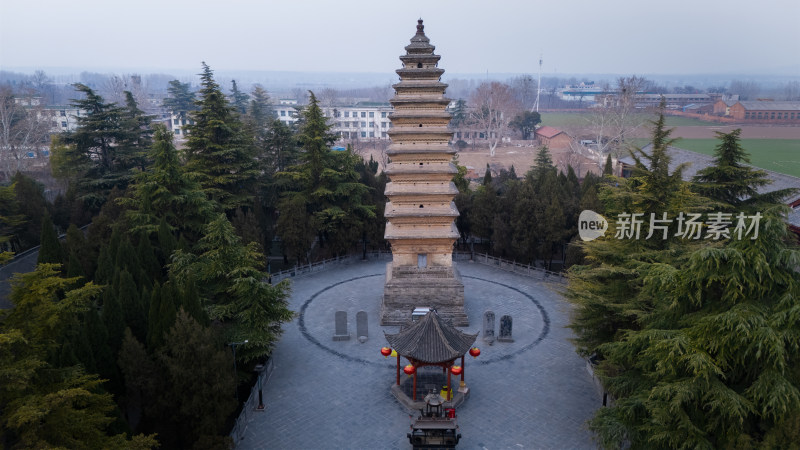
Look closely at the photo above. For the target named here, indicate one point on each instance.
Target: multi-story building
(359, 121)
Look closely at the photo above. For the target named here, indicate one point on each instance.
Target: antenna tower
(538, 85)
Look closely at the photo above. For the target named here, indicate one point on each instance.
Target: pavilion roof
(431, 340)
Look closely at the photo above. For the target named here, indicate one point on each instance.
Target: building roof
(548, 132)
(431, 340)
(697, 162)
(770, 106)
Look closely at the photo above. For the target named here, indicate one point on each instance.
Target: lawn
(561, 119)
(779, 155)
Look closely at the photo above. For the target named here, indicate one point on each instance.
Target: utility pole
(538, 85)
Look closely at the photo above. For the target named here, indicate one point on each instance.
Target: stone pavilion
(420, 211)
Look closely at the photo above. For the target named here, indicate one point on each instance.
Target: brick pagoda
(420, 211)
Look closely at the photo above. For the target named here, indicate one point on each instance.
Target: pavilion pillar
(449, 388)
(414, 391)
(462, 371)
(398, 368)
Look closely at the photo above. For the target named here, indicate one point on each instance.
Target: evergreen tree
(32, 204)
(76, 244)
(132, 307)
(10, 221)
(542, 164)
(694, 338)
(281, 148)
(219, 155)
(164, 193)
(154, 332)
(237, 295)
(166, 313)
(731, 181)
(50, 250)
(459, 113)
(44, 405)
(238, 98)
(103, 151)
(166, 242)
(487, 177)
(181, 99)
(608, 168)
(714, 364)
(324, 189)
(105, 267)
(147, 260)
(259, 111)
(113, 319)
(525, 122)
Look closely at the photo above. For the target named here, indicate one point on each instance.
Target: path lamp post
(260, 370)
(235, 370)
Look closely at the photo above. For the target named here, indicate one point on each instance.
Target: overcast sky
(473, 36)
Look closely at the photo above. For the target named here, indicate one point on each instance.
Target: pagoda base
(409, 287)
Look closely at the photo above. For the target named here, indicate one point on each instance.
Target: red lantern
(456, 370)
(474, 352)
(409, 370)
(386, 351)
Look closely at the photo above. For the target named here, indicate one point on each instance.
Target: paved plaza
(534, 392)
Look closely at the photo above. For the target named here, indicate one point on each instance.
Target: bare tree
(791, 90)
(23, 130)
(524, 88)
(617, 118)
(494, 106)
(328, 97)
(301, 95)
(747, 90)
(114, 88)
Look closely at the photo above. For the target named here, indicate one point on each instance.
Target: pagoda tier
(420, 211)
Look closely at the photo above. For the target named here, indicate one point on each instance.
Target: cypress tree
(126, 257)
(147, 259)
(166, 242)
(113, 319)
(166, 313)
(50, 250)
(98, 340)
(608, 168)
(105, 267)
(130, 300)
(153, 325)
(487, 177)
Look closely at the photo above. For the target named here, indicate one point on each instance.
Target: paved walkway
(532, 393)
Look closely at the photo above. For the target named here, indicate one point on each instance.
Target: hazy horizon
(349, 36)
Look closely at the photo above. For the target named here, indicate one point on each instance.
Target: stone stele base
(409, 287)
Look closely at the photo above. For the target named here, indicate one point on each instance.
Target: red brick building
(766, 111)
(552, 137)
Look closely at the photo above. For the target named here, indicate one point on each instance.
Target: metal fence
(251, 405)
(511, 266)
(325, 264)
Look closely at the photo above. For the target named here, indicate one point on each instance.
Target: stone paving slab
(531, 393)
